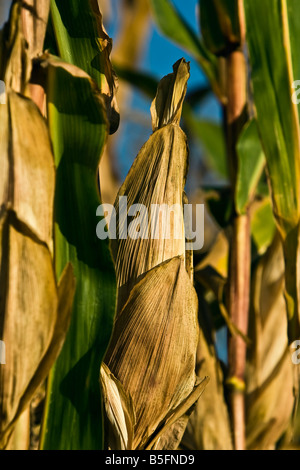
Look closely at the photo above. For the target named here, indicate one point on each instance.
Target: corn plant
(116, 322)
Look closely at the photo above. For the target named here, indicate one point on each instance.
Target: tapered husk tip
(166, 108)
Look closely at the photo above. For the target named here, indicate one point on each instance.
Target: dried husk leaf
(34, 24)
(119, 411)
(171, 438)
(152, 351)
(15, 64)
(34, 20)
(270, 372)
(161, 182)
(20, 437)
(167, 105)
(34, 313)
(33, 206)
(170, 435)
(109, 88)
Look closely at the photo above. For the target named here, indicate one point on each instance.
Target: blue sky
(158, 58)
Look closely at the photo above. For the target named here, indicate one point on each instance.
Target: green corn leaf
(219, 21)
(251, 160)
(76, 35)
(82, 40)
(263, 226)
(78, 130)
(177, 29)
(272, 35)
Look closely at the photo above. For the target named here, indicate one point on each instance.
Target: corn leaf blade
(251, 161)
(78, 130)
(272, 40)
(82, 40)
(219, 20)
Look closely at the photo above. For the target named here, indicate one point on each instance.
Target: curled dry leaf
(110, 85)
(270, 372)
(153, 348)
(120, 412)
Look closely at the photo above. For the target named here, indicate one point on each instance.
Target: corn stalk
(32, 303)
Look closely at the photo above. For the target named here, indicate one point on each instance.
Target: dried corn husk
(34, 24)
(153, 347)
(156, 177)
(120, 411)
(110, 81)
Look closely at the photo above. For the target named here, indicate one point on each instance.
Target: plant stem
(240, 254)
(239, 287)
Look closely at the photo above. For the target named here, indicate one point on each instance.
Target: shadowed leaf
(83, 41)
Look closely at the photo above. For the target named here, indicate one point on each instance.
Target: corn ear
(156, 177)
(153, 348)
